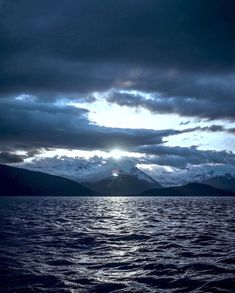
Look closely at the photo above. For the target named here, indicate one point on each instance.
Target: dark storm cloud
(163, 31)
(215, 128)
(32, 124)
(6, 157)
(35, 124)
(179, 51)
(181, 157)
(81, 46)
(205, 107)
(33, 153)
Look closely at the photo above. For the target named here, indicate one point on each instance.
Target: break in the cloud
(211, 103)
(167, 57)
(34, 123)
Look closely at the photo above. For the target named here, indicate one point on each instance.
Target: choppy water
(117, 245)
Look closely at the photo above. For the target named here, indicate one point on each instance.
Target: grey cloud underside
(181, 33)
(36, 124)
(6, 157)
(181, 49)
(32, 125)
(212, 108)
(181, 157)
(39, 124)
(180, 52)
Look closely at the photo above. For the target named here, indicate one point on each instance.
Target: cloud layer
(88, 45)
(169, 57)
(34, 123)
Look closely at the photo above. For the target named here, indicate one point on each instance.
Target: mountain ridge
(190, 189)
(18, 182)
(122, 184)
(226, 182)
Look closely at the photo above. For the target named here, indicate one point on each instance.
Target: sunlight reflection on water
(117, 244)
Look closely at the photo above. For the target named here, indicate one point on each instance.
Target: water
(117, 245)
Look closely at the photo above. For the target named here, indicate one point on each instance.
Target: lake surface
(117, 245)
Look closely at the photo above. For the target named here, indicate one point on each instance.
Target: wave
(117, 245)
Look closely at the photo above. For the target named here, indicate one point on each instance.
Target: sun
(116, 154)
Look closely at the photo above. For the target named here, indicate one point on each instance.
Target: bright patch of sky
(114, 153)
(111, 115)
(217, 141)
(26, 97)
(107, 114)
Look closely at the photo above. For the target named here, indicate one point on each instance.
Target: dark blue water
(117, 245)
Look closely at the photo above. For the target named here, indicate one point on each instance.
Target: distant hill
(222, 182)
(17, 181)
(192, 189)
(124, 184)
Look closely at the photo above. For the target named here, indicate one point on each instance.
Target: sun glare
(115, 172)
(116, 154)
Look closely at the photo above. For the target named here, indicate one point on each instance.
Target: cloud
(205, 107)
(96, 168)
(36, 124)
(82, 46)
(32, 124)
(180, 53)
(198, 173)
(181, 157)
(80, 169)
(6, 157)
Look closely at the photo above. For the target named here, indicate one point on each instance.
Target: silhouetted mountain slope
(16, 181)
(222, 182)
(123, 184)
(192, 189)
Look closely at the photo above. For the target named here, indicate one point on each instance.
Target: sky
(147, 82)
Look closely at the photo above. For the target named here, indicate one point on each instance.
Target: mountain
(17, 181)
(169, 177)
(99, 175)
(226, 182)
(191, 189)
(123, 182)
(82, 170)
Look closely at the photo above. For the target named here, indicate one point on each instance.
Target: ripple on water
(117, 245)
